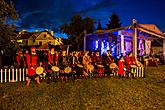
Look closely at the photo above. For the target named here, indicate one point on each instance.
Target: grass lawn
(89, 94)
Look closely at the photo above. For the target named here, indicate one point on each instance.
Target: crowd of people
(62, 64)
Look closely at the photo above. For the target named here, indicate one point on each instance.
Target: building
(37, 38)
(136, 38)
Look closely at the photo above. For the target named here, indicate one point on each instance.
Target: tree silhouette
(99, 26)
(7, 12)
(75, 30)
(114, 22)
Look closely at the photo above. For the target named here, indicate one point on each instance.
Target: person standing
(27, 58)
(121, 67)
(34, 57)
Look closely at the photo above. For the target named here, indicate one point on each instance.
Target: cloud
(53, 13)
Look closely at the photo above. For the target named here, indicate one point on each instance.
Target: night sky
(51, 14)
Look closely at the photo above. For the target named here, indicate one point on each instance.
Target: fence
(15, 75)
(12, 75)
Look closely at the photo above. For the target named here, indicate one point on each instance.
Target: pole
(164, 50)
(134, 38)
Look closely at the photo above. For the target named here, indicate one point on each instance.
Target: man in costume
(108, 60)
(130, 60)
(27, 58)
(63, 62)
(32, 75)
(20, 59)
(86, 61)
(51, 56)
(34, 57)
(99, 68)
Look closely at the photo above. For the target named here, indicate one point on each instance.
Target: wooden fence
(15, 75)
(12, 75)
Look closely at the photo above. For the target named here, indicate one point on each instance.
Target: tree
(7, 12)
(99, 26)
(114, 22)
(88, 24)
(76, 28)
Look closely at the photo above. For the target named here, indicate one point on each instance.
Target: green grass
(89, 94)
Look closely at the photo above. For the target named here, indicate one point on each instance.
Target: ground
(89, 94)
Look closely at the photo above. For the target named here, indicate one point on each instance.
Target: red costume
(120, 67)
(31, 72)
(98, 61)
(27, 58)
(18, 60)
(130, 61)
(109, 59)
(51, 56)
(34, 57)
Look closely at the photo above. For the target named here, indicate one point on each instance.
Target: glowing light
(19, 41)
(96, 44)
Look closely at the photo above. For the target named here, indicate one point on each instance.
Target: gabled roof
(151, 29)
(40, 38)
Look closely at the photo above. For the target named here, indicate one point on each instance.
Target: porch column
(134, 38)
(122, 44)
(164, 49)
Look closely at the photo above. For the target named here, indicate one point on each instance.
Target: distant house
(37, 38)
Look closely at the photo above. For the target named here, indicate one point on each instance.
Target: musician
(74, 60)
(56, 58)
(51, 56)
(97, 62)
(49, 72)
(70, 56)
(32, 75)
(121, 67)
(63, 60)
(45, 60)
(86, 60)
(97, 58)
(107, 61)
(34, 57)
(27, 58)
(20, 59)
(92, 55)
(130, 60)
(80, 57)
(17, 59)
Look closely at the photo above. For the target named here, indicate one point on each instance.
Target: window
(40, 43)
(44, 35)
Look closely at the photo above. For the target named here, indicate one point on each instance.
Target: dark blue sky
(53, 13)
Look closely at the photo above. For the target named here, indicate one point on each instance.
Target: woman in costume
(121, 67)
